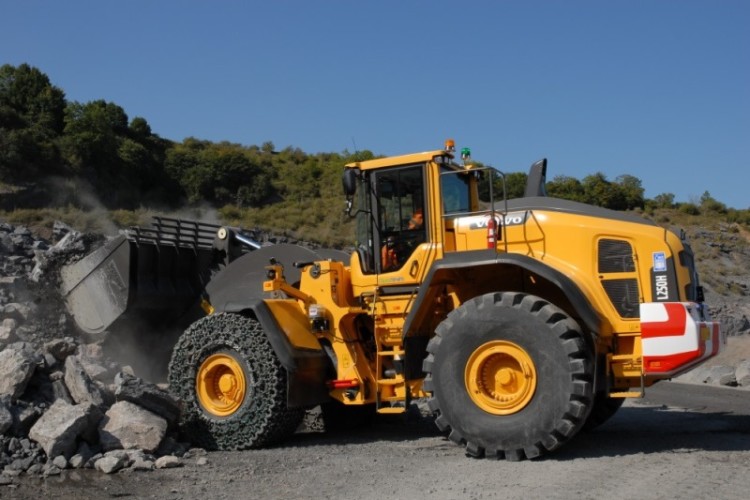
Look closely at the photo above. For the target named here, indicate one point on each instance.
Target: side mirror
(350, 181)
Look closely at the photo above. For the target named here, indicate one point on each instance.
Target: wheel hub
(227, 383)
(500, 377)
(505, 377)
(220, 385)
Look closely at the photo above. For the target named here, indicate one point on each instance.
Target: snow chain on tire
(263, 417)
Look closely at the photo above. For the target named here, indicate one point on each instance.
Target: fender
(481, 258)
(299, 352)
(240, 283)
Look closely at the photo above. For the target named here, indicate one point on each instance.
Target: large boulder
(18, 311)
(96, 365)
(60, 349)
(58, 430)
(24, 416)
(742, 373)
(82, 388)
(168, 462)
(7, 330)
(147, 395)
(127, 425)
(721, 375)
(17, 364)
(111, 462)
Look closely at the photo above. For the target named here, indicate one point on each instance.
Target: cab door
(400, 228)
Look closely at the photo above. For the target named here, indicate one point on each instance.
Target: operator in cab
(388, 255)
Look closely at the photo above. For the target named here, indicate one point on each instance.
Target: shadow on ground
(633, 430)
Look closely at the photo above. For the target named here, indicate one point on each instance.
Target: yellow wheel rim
(220, 385)
(500, 377)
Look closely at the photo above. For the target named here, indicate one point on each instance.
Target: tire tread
(265, 420)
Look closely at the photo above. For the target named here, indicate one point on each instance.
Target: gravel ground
(681, 441)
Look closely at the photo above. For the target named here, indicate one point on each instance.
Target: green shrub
(689, 209)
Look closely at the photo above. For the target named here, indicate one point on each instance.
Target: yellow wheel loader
(522, 321)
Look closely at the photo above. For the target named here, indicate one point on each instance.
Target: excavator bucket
(153, 278)
(153, 275)
(96, 288)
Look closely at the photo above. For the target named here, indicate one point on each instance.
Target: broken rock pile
(63, 404)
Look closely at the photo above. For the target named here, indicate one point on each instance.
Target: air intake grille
(624, 296)
(615, 256)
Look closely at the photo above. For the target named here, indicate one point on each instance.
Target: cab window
(455, 190)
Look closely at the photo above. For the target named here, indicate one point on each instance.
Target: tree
(27, 92)
(139, 127)
(31, 120)
(632, 191)
(93, 132)
(599, 191)
(126, 161)
(515, 183)
(566, 187)
(689, 208)
(664, 200)
(710, 204)
(219, 173)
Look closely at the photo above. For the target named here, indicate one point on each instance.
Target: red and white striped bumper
(675, 339)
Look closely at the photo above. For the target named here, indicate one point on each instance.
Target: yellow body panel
(568, 243)
(293, 322)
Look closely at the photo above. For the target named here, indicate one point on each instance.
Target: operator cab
(390, 216)
(392, 200)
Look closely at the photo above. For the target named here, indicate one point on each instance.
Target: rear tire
(232, 385)
(510, 376)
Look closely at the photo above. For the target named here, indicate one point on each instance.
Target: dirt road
(681, 441)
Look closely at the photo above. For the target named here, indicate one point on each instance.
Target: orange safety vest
(388, 258)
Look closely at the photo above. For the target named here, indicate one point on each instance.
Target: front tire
(510, 376)
(232, 385)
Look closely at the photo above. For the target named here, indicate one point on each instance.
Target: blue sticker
(660, 262)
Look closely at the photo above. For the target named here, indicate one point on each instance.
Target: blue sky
(655, 89)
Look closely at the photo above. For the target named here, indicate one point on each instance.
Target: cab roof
(392, 161)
